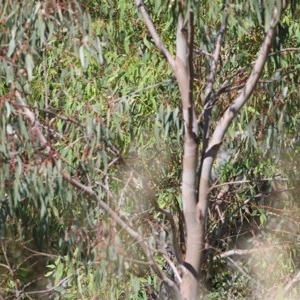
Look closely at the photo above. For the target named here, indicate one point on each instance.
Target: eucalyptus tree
(91, 123)
(197, 166)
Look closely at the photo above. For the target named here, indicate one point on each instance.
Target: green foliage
(99, 89)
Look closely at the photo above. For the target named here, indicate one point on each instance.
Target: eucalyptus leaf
(29, 65)
(82, 56)
(11, 47)
(41, 30)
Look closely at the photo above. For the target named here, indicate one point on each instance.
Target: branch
(284, 50)
(243, 272)
(134, 234)
(172, 265)
(131, 94)
(34, 122)
(241, 252)
(226, 87)
(208, 92)
(89, 192)
(157, 40)
(214, 63)
(246, 181)
(170, 218)
(292, 282)
(51, 289)
(8, 266)
(241, 99)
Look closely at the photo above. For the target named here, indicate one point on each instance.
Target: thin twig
(6, 267)
(41, 253)
(142, 90)
(170, 218)
(49, 290)
(292, 282)
(246, 181)
(243, 272)
(238, 252)
(284, 50)
(6, 259)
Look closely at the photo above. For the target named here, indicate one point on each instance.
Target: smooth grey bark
(183, 73)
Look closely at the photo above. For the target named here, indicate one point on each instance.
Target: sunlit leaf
(82, 56)
(29, 66)
(11, 47)
(41, 30)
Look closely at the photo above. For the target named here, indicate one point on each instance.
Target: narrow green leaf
(81, 55)
(41, 30)
(29, 66)
(127, 44)
(8, 72)
(8, 109)
(11, 47)
(100, 52)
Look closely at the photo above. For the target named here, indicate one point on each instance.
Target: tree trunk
(189, 286)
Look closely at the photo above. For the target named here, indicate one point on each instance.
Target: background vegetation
(88, 79)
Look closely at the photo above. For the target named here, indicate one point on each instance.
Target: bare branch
(243, 271)
(172, 265)
(150, 87)
(241, 99)
(51, 289)
(284, 50)
(239, 252)
(134, 234)
(214, 62)
(170, 218)
(34, 122)
(36, 253)
(208, 92)
(8, 266)
(249, 86)
(157, 40)
(228, 87)
(292, 283)
(248, 181)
